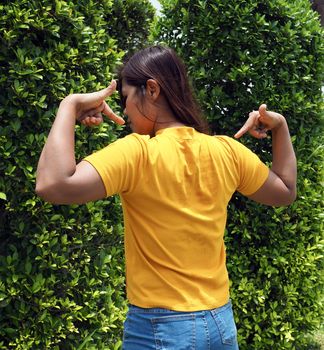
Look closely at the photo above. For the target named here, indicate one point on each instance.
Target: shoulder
(227, 141)
(132, 144)
(125, 149)
(131, 140)
(227, 144)
(231, 144)
(234, 150)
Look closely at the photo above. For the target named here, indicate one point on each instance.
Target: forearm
(283, 157)
(57, 160)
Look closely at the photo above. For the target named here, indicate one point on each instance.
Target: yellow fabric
(175, 188)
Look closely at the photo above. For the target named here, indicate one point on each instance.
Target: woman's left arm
(280, 187)
(59, 179)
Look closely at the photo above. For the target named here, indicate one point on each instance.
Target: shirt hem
(182, 307)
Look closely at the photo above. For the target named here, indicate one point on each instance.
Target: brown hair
(164, 66)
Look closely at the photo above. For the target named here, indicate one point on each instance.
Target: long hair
(164, 66)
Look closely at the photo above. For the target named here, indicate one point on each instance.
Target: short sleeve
(120, 164)
(251, 171)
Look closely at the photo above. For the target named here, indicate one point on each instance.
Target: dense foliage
(240, 54)
(61, 267)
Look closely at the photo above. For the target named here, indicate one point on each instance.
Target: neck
(171, 123)
(164, 116)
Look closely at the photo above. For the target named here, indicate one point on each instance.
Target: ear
(153, 89)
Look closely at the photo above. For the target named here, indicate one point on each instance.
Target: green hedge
(240, 54)
(61, 267)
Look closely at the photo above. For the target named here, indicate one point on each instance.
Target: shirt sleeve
(251, 171)
(120, 164)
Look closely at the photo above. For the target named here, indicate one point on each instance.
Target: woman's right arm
(280, 187)
(59, 179)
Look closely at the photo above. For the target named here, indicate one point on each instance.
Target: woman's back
(175, 188)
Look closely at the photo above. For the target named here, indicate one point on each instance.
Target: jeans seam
(207, 332)
(222, 330)
(135, 309)
(193, 345)
(164, 319)
(217, 315)
(221, 309)
(157, 342)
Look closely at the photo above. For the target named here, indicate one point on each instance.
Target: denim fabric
(162, 329)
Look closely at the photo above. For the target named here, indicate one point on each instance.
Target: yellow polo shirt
(175, 188)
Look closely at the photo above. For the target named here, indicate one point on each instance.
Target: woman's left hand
(261, 121)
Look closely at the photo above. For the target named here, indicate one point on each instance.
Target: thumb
(262, 111)
(109, 90)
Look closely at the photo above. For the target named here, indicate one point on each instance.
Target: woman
(175, 182)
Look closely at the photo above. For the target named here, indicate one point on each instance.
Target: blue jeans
(162, 329)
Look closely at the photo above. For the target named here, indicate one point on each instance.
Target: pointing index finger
(111, 115)
(241, 132)
(247, 125)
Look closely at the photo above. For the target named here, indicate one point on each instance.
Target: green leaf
(3, 196)
(28, 267)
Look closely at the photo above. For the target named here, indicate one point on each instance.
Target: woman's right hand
(89, 107)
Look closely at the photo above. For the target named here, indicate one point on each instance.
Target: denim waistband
(157, 310)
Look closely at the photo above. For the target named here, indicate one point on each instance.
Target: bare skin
(280, 187)
(60, 180)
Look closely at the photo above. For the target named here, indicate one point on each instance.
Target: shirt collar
(181, 132)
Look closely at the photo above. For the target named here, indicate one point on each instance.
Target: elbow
(44, 192)
(48, 193)
(57, 194)
(292, 196)
(40, 190)
(287, 200)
